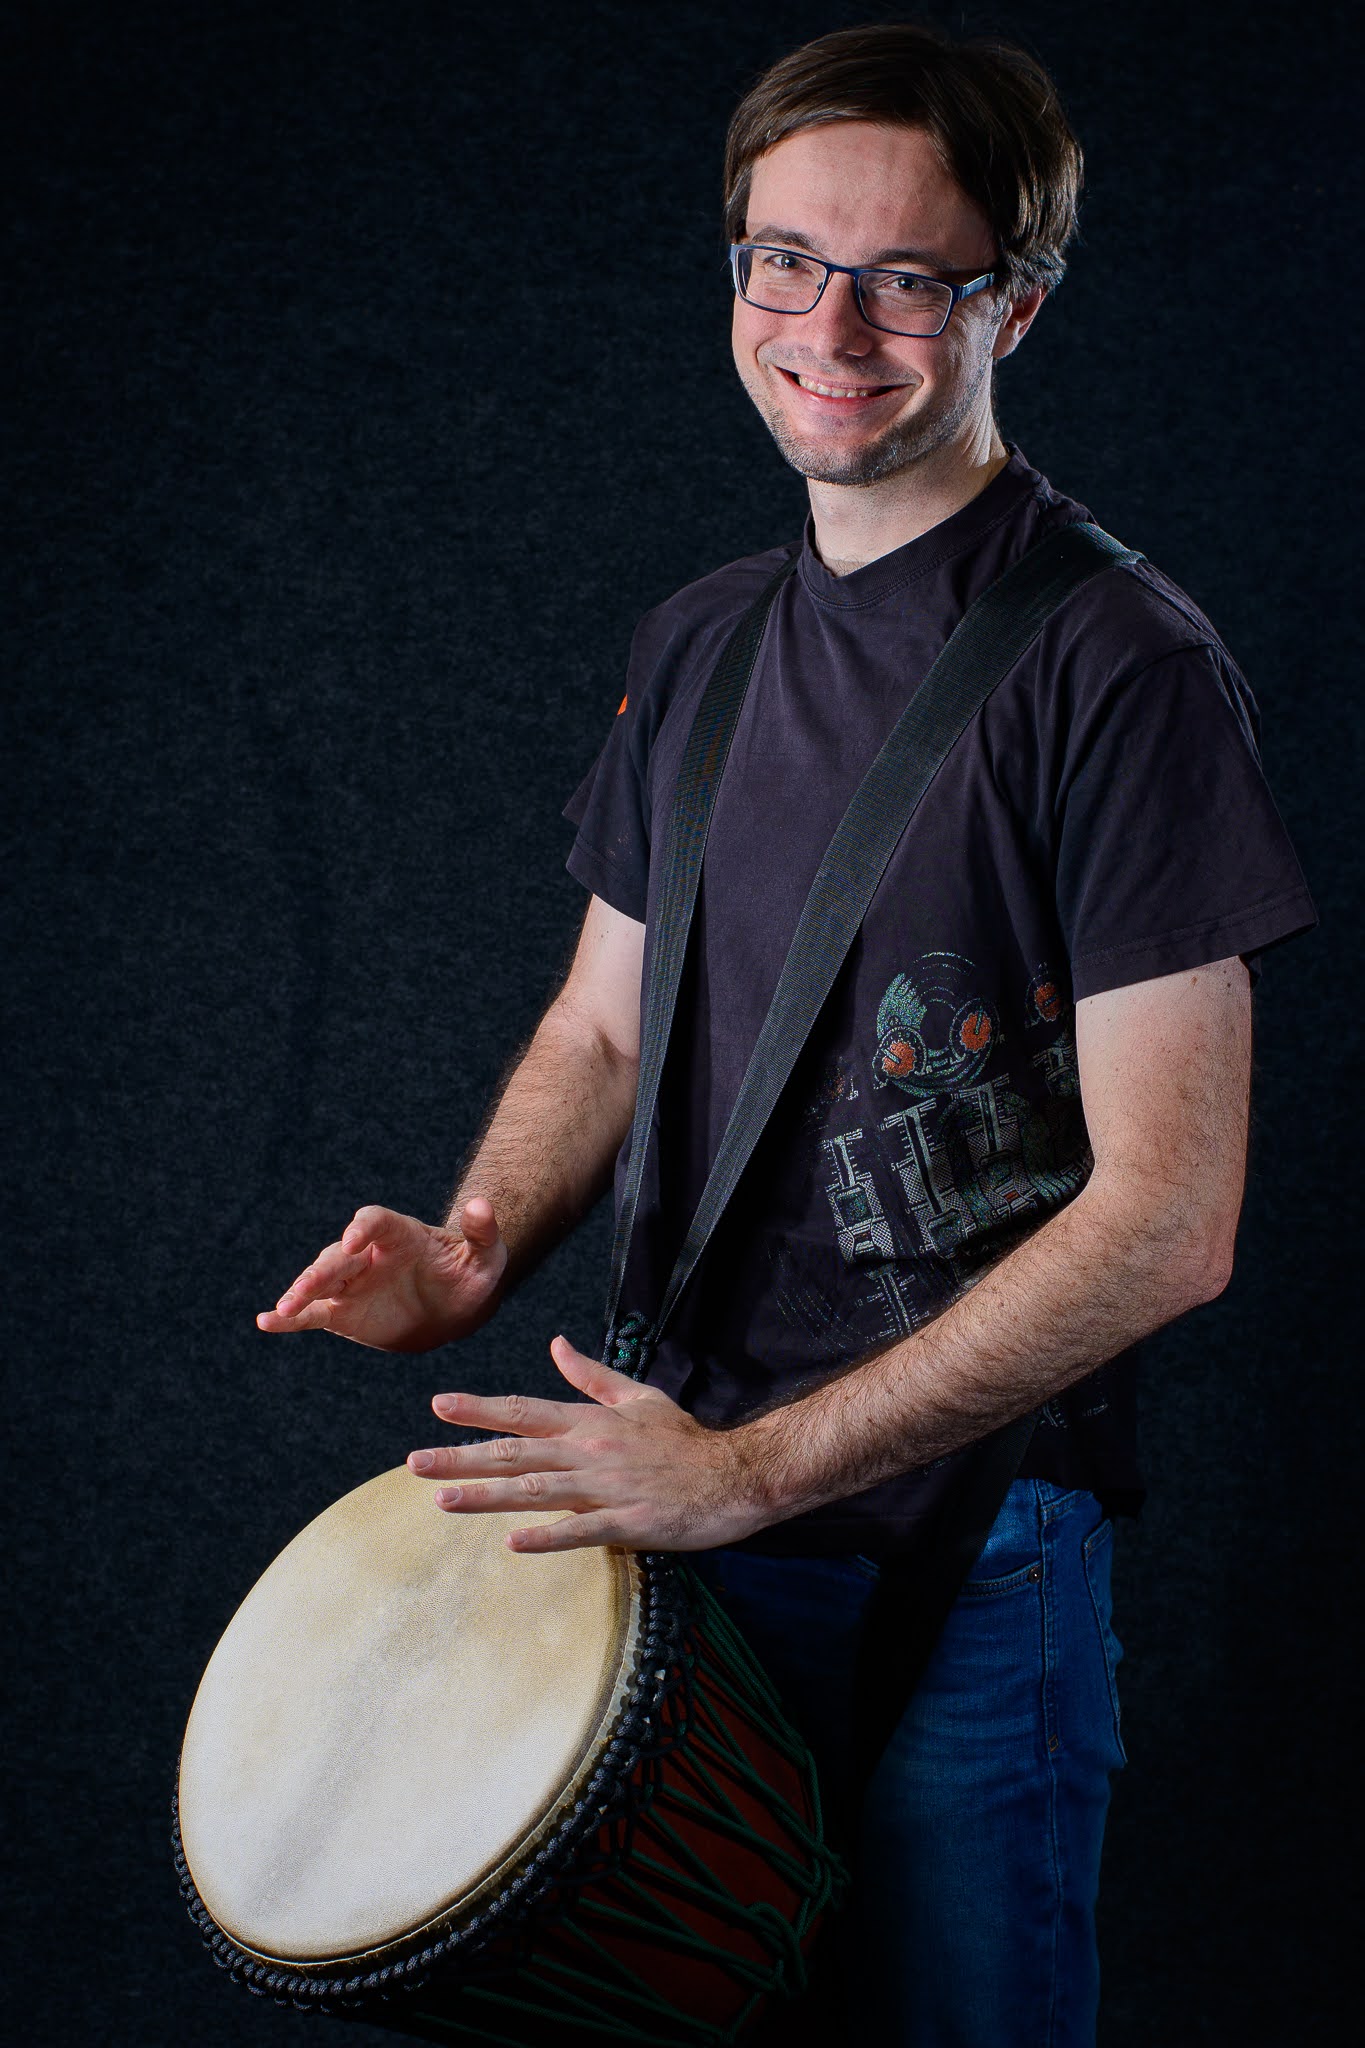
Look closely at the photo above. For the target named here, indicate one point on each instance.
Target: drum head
(394, 1719)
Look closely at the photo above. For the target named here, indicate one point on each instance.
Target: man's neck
(855, 523)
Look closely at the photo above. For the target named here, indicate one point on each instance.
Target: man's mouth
(820, 388)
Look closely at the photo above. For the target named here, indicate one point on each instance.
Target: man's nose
(834, 325)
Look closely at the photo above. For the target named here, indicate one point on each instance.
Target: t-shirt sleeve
(610, 853)
(610, 809)
(1171, 852)
(671, 654)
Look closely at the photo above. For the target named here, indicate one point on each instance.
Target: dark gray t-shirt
(1103, 821)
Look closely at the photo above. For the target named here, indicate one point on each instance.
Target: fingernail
(422, 1461)
(448, 1496)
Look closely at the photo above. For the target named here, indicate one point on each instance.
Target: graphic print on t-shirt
(934, 1029)
(960, 1163)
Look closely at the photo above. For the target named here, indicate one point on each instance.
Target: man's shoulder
(1130, 617)
(1144, 597)
(1131, 644)
(717, 600)
(684, 634)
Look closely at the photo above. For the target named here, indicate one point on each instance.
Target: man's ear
(1019, 317)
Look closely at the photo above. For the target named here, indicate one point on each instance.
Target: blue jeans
(972, 1922)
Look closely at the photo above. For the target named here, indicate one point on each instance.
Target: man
(1015, 1144)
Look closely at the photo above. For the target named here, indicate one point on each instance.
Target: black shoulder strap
(703, 763)
(993, 634)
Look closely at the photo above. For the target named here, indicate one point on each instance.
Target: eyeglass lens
(784, 281)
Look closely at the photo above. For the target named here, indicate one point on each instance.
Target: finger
(599, 1382)
(508, 1412)
(575, 1532)
(505, 1454)
(478, 1224)
(315, 1315)
(538, 1490)
(385, 1229)
(329, 1273)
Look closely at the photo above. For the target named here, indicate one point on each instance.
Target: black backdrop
(329, 559)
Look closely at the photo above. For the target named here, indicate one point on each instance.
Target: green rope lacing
(548, 1987)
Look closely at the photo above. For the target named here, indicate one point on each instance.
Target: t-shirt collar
(869, 585)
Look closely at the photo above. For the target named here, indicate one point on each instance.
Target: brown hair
(990, 109)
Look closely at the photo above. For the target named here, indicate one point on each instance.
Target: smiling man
(849, 399)
(1015, 1142)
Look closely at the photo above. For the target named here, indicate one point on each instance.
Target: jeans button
(1035, 1572)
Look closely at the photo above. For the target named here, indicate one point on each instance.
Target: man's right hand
(398, 1284)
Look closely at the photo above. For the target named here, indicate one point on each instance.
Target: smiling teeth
(839, 390)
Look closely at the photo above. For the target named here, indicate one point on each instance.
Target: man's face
(845, 402)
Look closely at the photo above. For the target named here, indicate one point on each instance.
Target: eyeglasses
(896, 301)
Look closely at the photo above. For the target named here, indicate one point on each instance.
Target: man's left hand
(632, 1468)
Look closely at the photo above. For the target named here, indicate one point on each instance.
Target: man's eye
(782, 262)
(904, 283)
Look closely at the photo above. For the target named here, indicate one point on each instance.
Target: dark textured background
(329, 562)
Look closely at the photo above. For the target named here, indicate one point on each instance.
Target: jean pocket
(1013, 1582)
(1011, 1558)
(1097, 1555)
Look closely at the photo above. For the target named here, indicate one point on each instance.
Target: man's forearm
(1096, 1278)
(1164, 1068)
(549, 1146)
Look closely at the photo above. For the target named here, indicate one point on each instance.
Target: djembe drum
(467, 1793)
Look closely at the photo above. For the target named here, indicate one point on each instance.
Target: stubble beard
(903, 444)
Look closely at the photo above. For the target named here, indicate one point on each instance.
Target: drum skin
(394, 1717)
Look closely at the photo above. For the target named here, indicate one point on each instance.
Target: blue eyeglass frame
(857, 271)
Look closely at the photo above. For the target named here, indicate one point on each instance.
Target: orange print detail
(622, 705)
(976, 1031)
(898, 1059)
